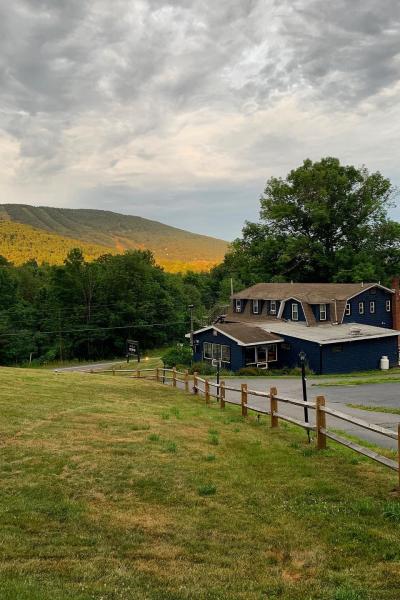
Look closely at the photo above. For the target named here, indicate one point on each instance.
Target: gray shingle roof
(313, 293)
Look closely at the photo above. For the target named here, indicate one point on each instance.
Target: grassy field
(114, 489)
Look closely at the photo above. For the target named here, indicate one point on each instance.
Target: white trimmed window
(348, 309)
(388, 305)
(225, 354)
(361, 308)
(256, 307)
(238, 305)
(207, 350)
(372, 307)
(272, 307)
(322, 312)
(295, 312)
(216, 351)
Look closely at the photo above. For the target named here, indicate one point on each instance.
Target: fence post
(207, 391)
(163, 374)
(173, 376)
(113, 370)
(157, 374)
(273, 406)
(138, 373)
(195, 390)
(222, 393)
(186, 380)
(244, 399)
(320, 421)
(398, 452)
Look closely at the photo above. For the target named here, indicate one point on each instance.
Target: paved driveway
(385, 394)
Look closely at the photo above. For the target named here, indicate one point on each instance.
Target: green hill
(173, 248)
(19, 243)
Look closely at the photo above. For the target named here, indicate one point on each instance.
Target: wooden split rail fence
(211, 389)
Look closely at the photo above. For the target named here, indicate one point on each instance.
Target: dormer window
(372, 307)
(295, 312)
(388, 306)
(238, 305)
(272, 307)
(361, 308)
(348, 309)
(256, 307)
(322, 312)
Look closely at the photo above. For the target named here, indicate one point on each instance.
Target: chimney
(396, 303)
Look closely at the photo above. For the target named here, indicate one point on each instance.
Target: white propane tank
(384, 363)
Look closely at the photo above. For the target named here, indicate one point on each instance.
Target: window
(272, 307)
(272, 353)
(207, 350)
(322, 312)
(255, 307)
(286, 346)
(372, 307)
(225, 354)
(238, 305)
(216, 351)
(295, 312)
(337, 348)
(361, 308)
(348, 309)
(388, 305)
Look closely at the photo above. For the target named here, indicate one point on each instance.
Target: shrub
(180, 355)
(202, 368)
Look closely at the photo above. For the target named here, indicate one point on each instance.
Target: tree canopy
(324, 222)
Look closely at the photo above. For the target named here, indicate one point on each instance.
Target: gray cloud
(100, 98)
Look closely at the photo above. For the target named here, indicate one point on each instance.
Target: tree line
(88, 309)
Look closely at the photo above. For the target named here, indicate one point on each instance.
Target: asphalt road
(384, 394)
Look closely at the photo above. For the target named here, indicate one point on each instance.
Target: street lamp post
(302, 357)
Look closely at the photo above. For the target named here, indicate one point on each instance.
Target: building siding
(287, 311)
(381, 318)
(361, 355)
(315, 309)
(237, 352)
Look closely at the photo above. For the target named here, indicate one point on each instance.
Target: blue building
(342, 327)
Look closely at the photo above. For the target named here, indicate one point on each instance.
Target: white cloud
(199, 102)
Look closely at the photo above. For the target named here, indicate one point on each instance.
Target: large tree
(324, 222)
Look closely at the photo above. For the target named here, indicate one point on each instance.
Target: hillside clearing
(114, 488)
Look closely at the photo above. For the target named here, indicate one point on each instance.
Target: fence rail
(164, 375)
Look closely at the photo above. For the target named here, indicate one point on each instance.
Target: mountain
(19, 243)
(173, 248)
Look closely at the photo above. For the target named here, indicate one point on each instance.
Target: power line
(57, 331)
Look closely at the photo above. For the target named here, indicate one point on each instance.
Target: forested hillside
(19, 243)
(173, 248)
(87, 310)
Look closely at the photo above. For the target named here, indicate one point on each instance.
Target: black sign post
(132, 349)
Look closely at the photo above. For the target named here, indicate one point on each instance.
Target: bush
(202, 368)
(180, 355)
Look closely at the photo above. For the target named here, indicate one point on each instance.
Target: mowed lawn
(113, 488)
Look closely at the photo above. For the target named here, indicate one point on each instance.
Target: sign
(132, 349)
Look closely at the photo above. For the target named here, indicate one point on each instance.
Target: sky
(180, 111)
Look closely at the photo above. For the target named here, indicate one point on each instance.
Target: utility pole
(191, 307)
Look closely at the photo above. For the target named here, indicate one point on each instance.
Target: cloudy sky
(180, 110)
